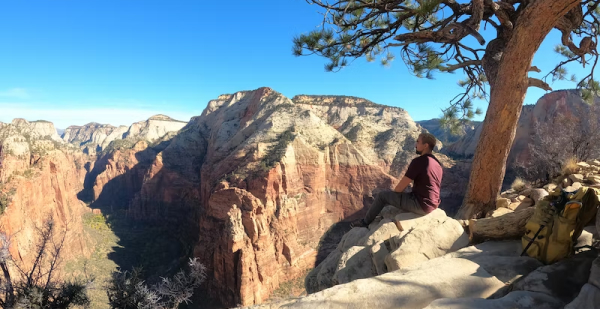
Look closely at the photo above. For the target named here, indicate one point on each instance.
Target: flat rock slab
(514, 300)
(414, 289)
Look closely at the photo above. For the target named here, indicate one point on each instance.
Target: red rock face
(49, 189)
(269, 231)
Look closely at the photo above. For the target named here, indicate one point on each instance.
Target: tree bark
(510, 225)
(507, 92)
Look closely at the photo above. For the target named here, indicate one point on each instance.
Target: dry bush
(38, 287)
(519, 184)
(570, 167)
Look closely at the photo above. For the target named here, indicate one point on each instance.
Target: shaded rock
(502, 203)
(595, 273)
(589, 297)
(507, 268)
(488, 248)
(422, 244)
(311, 284)
(562, 279)
(354, 264)
(327, 270)
(415, 288)
(351, 238)
(514, 300)
(378, 253)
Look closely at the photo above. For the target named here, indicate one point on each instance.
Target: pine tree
(444, 36)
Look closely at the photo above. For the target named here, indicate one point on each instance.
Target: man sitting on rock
(426, 172)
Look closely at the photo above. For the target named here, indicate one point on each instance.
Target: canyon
(251, 187)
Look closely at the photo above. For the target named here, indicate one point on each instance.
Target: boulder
(520, 205)
(563, 279)
(499, 212)
(351, 238)
(576, 178)
(311, 284)
(354, 263)
(385, 230)
(378, 253)
(595, 273)
(499, 258)
(550, 187)
(583, 165)
(538, 194)
(589, 297)
(586, 238)
(411, 220)
(595, 179)
(525, 192)
(574, 187)
(598, 221)
(515, 300)
(502, 203)
(507, 268)
(566, 182)
(327, 269)
(425, 243)
(412, 289)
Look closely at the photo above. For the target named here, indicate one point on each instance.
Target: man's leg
(403, 201)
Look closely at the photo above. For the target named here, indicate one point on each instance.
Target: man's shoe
(359, 223)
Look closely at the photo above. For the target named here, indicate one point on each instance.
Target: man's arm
(403, 184)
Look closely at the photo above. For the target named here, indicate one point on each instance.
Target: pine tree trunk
(507, 92)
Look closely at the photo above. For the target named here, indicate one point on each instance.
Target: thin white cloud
(67, 116)
(16, 93)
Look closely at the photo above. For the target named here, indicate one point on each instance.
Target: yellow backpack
(557, 222)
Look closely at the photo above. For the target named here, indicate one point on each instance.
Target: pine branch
(454, 67)
(534, 82)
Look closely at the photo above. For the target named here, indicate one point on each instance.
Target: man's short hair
(428, 138)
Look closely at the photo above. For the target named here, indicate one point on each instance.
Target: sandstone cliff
(549, 106)
(433, 126)
(95, 137)
(39, 180)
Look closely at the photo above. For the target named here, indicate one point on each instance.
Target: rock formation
(95, 137)
(39, 180)
(562, 102)
(433, 126)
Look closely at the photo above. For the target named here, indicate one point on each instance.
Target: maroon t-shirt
(426, 172)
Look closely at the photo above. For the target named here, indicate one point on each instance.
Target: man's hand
(404, 182)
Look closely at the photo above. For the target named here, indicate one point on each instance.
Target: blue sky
(117, 62)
